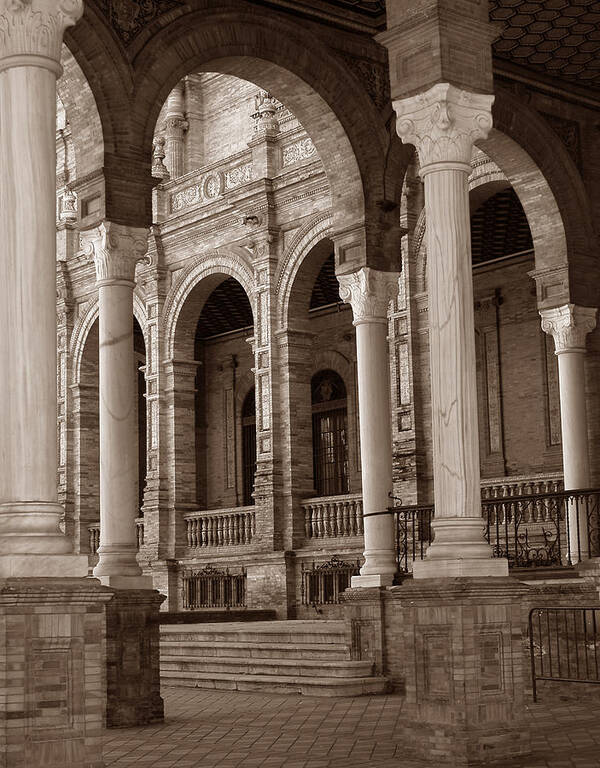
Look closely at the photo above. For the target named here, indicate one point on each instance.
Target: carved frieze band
(116, 249)
(35, 28)
(568, 325)
(369, 292)
(443, 123)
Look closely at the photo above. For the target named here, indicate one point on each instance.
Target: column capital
(443, 123)
(116, 249)
(31, 32)
(368, 291)
(568, 325)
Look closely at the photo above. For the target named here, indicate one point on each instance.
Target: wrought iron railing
(323, 583)
(532, 530)
(331, 516)
(564, 645)
(212, 587)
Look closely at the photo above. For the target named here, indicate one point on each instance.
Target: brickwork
(132, 659)
(53, 674)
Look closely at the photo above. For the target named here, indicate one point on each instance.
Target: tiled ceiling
(226, 309)
(499, 228)
(556, 37)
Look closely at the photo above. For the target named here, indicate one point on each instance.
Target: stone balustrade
(521, 485)
(330, 516)
(220, 527)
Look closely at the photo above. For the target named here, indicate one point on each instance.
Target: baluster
(340, 518)
(314, 528)
(212, 532)
(319, 512)
(307, 526)
(359, 517)
(346, 524)
(253, 524)
(229, 530)
(220, 532)
(202, 532)
(189, 532)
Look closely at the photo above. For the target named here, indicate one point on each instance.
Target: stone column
(175, 126)
(569, 325)
(369, 293)
(116, 250)
(443, 123)
(31, 542)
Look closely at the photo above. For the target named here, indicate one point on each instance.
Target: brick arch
(221, 263)
(298, 68)
(318, 228)
(551, 192)
(84, 324)
(334, 361)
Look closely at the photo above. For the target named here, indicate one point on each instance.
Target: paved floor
(222, 729)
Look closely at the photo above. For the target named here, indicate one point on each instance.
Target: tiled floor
(221, 729)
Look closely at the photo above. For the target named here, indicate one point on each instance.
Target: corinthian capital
(443, 123)
(568, 325)
(116, 249)
(31, 31)
(369, 292)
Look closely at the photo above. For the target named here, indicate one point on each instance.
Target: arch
(281, 57)
(233, 262)
(550, 189)
(331, 360)
(83, 326)
(318, 228)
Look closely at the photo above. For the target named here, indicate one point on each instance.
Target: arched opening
(217, 319)
(330, 434)
(249, 447)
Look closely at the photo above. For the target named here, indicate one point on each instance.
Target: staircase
(308, 657)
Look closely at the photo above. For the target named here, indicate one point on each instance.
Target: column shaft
(369, 292)
(573, 419)
(118, 447)
(375, 447)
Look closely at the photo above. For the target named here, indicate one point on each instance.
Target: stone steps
(307, 657)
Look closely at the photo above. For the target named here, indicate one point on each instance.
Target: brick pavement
(227, 729)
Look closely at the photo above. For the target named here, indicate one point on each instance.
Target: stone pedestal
(52, 672)
(363, 609)
(132, 658)
(459, 645)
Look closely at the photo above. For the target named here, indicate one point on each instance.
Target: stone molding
(568, 325)
(369, 292)
(443, 123)
(31, 31)
(116, 249)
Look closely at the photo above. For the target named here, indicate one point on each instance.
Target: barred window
(330, 446)
(248, 446)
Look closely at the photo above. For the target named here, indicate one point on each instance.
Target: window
(248, 447)
(330, 448)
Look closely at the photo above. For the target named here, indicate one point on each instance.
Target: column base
(132, 663)
(118, 567)
(125, 582)
(372, 580)
(43, 566)
(52, 662)
(436, 568)
(459, 549)
(458, 643)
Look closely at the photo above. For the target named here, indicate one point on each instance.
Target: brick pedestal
(52, 673)
(132, 665)
(363, 608)
(459, 643)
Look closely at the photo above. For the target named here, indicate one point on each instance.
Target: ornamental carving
(299, 150)
(374, 77)
(369, 292)
(36, 27)
(443, 123)
(568, 325)
(129, 17)
(210, 186)
(116, 249)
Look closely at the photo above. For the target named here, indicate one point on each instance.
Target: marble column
(175, 126)
(569, 325)
(116, 250)
(369, 292)
(443, 123)
(31, 542)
